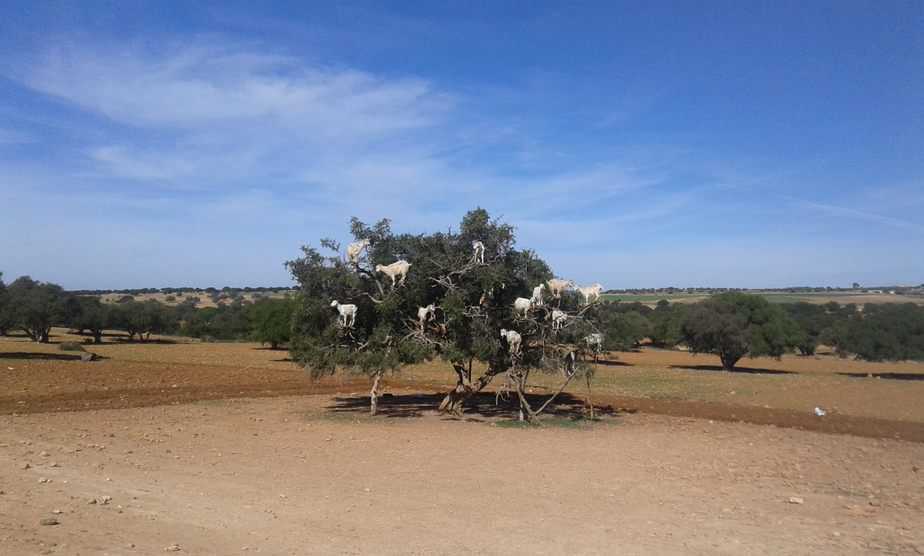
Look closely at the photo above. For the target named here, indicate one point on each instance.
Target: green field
(774, 297)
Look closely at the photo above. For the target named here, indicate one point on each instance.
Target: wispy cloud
(851, 213)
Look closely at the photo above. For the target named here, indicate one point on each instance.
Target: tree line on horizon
(730, 325)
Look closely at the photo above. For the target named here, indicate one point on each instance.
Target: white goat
(521, 306)
(557, 287)
(594, 342)
(354, 250)
(536, 299)
(394, 270)
(347, 313)
(513, 340)
(426, 314)
(590, 293)
(559, 319)
(478, 249)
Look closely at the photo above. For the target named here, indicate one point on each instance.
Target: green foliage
(35, 306)
(383, 337)
(143, 319)
(732, 325)
(6, 314)
(271, 321)
(885, 332)
(667, 324)
(624, 325)
(94, 316)
(812, 321)
(225, 322)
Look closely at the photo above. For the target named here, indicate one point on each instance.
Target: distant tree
(811, 321)
(667, 324)
(36, 306)
(6, 317)
(143, 319)
(93, 316)
(733, 325)
(271, 321)
(623, 325)
(886, 332)
(856, 285)
(125, 299)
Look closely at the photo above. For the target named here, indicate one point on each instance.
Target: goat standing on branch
(478, 252)
(425, 315)
(558, 287)
(355, 249)
(347, 313)
(513, 341)
(590, 293)
(394, 271)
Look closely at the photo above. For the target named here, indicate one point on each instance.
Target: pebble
(44, 480)
(796, 500)
(49, 521)
(26, 466)
(57, 512)
(173, 548)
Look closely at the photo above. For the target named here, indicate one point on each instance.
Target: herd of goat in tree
(539, 317)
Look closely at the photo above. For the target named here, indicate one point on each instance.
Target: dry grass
(792, 383)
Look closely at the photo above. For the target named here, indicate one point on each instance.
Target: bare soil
(311, 475)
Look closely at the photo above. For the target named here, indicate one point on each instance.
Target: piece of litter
(820, 412)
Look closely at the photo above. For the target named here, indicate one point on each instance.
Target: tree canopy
(732, 325)
(472, 301)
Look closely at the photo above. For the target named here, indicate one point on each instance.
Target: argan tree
(733, 325)
(472, 300)
(35, 306)
(271, 321)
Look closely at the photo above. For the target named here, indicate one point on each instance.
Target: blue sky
(751, 144)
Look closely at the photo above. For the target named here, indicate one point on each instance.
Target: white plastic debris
(820, 412)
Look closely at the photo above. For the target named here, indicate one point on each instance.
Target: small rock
(796, 500)
(44, 480)
(57, 512)
(49, 521)
(53, 464)
(91, 501)
(173, 548)
(105, 499)
(44, 454)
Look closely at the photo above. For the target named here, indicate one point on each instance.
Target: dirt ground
(868, 399)
(230, 448)
(305, 475)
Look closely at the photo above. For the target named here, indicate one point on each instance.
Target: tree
(473, 303)
(94, 316)
(667, 324)
(271, 321)
(35, 306)
(732, 325)
(886, 332)
(811, 321)
(6, 317)
(624, 325)
(143, 318)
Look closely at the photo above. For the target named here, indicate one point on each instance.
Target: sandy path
(280, 476)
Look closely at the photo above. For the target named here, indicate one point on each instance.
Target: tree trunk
(455, 399)
(590, 400)
(729, 360)
(97, 336)
(374, 395)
